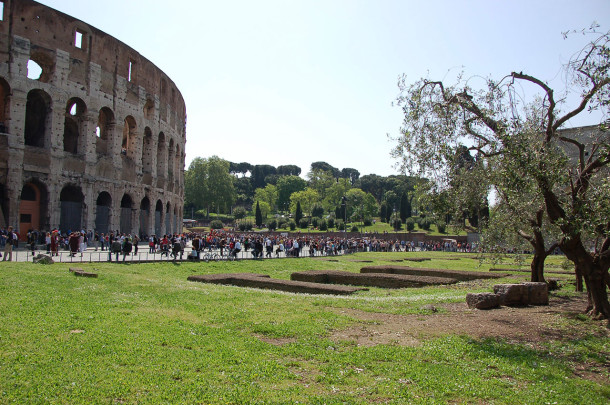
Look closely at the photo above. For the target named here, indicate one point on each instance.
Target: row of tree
(216, 185)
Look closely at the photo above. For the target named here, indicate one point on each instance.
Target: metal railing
(145, 255)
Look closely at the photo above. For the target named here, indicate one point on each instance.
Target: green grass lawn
(142, 333)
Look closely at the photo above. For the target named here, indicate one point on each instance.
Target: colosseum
(92, 134)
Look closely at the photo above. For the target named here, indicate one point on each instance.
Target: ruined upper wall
(49, 30)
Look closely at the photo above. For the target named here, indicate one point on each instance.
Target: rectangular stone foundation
(370, 280)
(265, 282)
(456, 274)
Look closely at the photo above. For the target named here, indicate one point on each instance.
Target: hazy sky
(293, 82)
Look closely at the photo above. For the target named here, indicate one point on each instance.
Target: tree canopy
(209, 185)
(519, 139)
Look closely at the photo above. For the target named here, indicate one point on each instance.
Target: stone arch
(37, 118)
(126, 208)
(73, 122)
(144, 217)
(158, 217)
(103, 205)
(177, 160)
(170, 161)
(161, 155)
(104, 130)
(147, 151)
(168, 219)
(71, 201)
(32, 207)
(149, 109)
(4, 205)
(129, 137)
(176, 226)
(5, 105)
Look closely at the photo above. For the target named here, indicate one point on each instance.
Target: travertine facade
(93, 140)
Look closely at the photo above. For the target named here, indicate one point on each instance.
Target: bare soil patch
(532, 324)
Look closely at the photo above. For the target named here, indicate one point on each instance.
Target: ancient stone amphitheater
(92, 134)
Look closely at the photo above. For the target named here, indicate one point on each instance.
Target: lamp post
(344, 204)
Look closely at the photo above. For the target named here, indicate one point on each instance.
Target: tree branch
(549, 93)
(585, 100)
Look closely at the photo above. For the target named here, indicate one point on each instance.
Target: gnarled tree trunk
(593, 272)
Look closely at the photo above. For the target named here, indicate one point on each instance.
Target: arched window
(74, 117)
(129, 137)
(170, 160)
(37, 108)
(5, 107)
(149, 109)
(147, 151)
(161, 156)
(103, 131)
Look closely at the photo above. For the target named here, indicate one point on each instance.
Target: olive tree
(511, 133)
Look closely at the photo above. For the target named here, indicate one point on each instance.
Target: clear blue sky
(293, 82)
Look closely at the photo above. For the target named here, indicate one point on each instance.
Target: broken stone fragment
(483, 300)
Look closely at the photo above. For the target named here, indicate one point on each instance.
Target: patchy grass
(143, 333)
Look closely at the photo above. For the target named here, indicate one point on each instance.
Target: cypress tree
(299, 214)
(404, 202)
(259, 215)
(382, 211)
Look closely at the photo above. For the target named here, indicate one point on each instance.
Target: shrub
(303, 223)
(315, 222)
(410, 223)
(292, 225)
(245, 226)
(368, 222)
(272, 225)
(396, 223)
(354, 229)
(340, 225)
(322, 225)
(424, 224)
(441, 226)
(317, 210)
(216, 224)
(239, 213)
(331, 222)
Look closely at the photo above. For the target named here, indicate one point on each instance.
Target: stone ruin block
(81, 273)
(538, 293)
(512, 294)
(43, 259)
(483, 300)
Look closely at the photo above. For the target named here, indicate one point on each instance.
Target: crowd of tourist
(253, 244)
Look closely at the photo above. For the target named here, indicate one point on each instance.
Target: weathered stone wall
(96, 141)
